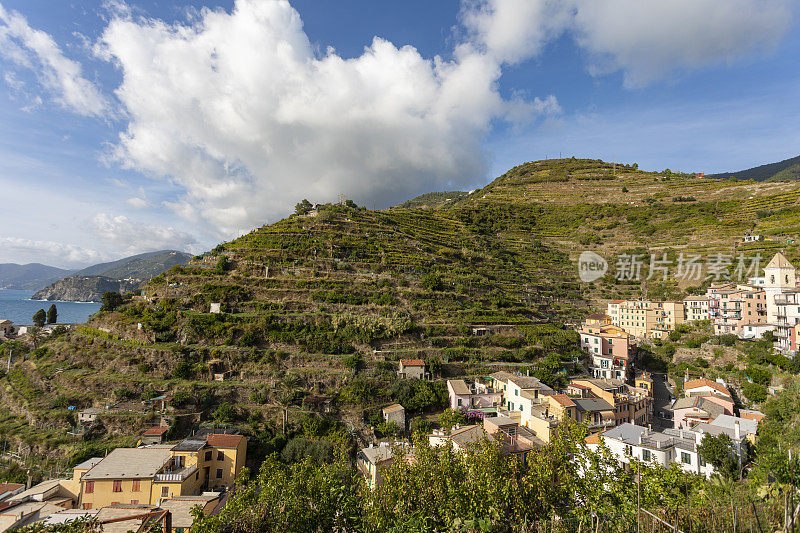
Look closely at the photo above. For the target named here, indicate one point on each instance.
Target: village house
(710, 390)
(696, 308)
(646, 319)
(756, 330)
(544, 418)
(6, 328)
(630, 404)
(688, 412)
(370, 461)
(737, 307)
(149, 474)
(611, 348)
(412, 368)
(472, 396)
(180, 509)
(627, 442)
(513, 439)
(395, 413)
(154, 435)
(461, 437)
(88, 416)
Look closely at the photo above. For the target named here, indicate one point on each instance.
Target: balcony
(179, 474)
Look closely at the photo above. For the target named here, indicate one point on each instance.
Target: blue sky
(128, 127)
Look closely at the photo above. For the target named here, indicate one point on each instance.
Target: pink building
(610, 347)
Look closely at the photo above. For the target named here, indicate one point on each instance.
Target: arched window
(772, 279)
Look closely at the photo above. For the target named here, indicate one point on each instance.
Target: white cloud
(48, 252)
(238, 110)
(128, 237)
(646, 39)
(136, 202)
(36, 50)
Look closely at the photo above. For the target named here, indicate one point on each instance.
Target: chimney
(737, 430)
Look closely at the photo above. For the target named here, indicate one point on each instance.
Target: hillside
(30, 277)
(786, 170)
(434, 200)
(322, 306)
(89, 284)
(142, 266)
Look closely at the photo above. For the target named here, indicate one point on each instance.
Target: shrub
(755, 392)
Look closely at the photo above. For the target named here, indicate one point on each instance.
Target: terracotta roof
(224, 441)
(155, 431)
(563, 400)
(10, 487)
(592, 439)
(703, 382)
(412, 362)
(616, 301)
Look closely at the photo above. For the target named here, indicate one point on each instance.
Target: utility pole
(638, 496)
(8, 365)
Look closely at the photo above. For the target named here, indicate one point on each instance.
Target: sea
(18, 307)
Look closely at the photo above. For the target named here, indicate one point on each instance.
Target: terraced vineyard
(324, 305)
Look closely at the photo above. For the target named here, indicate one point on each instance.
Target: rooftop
(412, 362)
(377, 454)
(563, 400)
(181, 507)
(588, 405)
(87, 464)
(459, 386)
(712, 409)
(703, 382)
(130, 463)
(746, 425)
(394, 408)
(224, 441)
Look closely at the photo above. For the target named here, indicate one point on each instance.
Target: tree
(718, 450)
(111, 300)
(222, 265)
(39, 318)
(303, 208)
(450, 418)
(52, 314)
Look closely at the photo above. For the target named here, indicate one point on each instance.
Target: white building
(628, 442)
(779, 277)
(755, 331)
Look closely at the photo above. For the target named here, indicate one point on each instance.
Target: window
(87, 506)
(208, 455)
(220, 455)
(628, 450)
(702, 461)
(645, 455)
(459, 402)
(134, 502)
(89, 487)
(164, 491)
(686, 458)
(117, 486)
(219, 473)
(516, 392)
(135, 486)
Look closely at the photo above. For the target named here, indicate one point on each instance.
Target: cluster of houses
(706, 408)
(135, 489)
(748, 310)
(520, 413)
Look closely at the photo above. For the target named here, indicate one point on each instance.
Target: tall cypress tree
(52, 314)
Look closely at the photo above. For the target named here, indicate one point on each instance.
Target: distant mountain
(89, 284)
(141, 266)
(30, 277)
(786, 170)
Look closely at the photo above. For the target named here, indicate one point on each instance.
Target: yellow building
(643, 318)
(150, 474)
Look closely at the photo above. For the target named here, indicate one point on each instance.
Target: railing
(176, 475)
